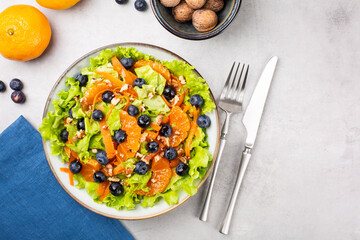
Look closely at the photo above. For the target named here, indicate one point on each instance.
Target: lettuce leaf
(144, 91)
(195, 84)
(151, 77)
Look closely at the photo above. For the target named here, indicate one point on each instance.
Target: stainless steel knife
(251, 121)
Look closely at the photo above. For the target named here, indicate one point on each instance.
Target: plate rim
(48, 102)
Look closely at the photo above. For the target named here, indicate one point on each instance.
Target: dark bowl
(187, 30)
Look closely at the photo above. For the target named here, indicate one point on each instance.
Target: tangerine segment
(180, 123)
(92, 92)
(133, 132)
(25, 33)
(156, 66)
(87, 171)
(160, 178)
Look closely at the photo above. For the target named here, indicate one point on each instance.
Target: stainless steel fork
(231, 101)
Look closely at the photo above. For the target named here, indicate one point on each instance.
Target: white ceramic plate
(80, 195)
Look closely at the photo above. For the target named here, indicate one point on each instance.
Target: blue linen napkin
(32, 203)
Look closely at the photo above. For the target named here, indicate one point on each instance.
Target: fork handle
(205, 210)
(245, 158)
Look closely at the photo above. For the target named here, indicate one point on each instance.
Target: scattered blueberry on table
(75, 166)
(182, 169)
(121, 1)
(141, 167)
(133, 110)
(18, 97)
(203, 121)
(152, 147)
(101, 157)
(16, 84)
(2, 86)
(144, 121)
(170, 153)
(119, 136)
(140, 5)
(99, 177)
(116, 189)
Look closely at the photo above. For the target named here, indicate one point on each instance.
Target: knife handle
(245, 158)
(205, 210)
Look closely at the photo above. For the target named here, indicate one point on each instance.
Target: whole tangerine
(25, 33)
(57, 4)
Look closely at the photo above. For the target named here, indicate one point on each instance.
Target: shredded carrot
(128, 76)
(117, 82)
(71, 175)
(95, 99)
(174, 163)
(186, 108)
(167, 103)
(105, 132)
(165, 119)
(192, 132)
(106, 192)
(154, 126)
(119, 169)
(67, 151)
(101, 188)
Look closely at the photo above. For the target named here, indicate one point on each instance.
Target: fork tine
(227, 82)
(240, 97)
(236, 90)
(231, 88)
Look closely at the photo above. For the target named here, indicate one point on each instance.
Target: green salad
(132, 129)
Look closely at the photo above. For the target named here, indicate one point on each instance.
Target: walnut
(80, 134)
(195, 4)
(182, 80)
(109, 169)
(215, 5)
(204, 20)
(142, 107)
(159, 119)
(175, 100)
(115, 101)
(113, 179)
(150, 95)
(143, 137)
(69, 120)
(124, 87)
(94, 150)
(170, 3)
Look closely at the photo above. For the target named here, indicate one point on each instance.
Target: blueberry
(140, 5)
(82, 79)
(99, 177)
(16, 84)
(71, 112)
(166, 130)
(203, 121)
(98, 115)
(101, 157)
(139, 82)
(170, 153)
(133, 110)
(18, 97)
(81, 124)
(2, 86)
(152, 147)
(144, 121)
(169, 92)
(119, 136)
(107, 96)
(127, 62)
(141, 167)
(196, 100)
(64, 135)
(75, 166)
(121, 1)
(116, 188)
(182, 169)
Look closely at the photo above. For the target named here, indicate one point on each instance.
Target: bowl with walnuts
(195, 19)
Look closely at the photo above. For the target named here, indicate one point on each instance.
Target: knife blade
(254, 111)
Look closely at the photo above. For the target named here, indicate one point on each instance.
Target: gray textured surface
(303, 180)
